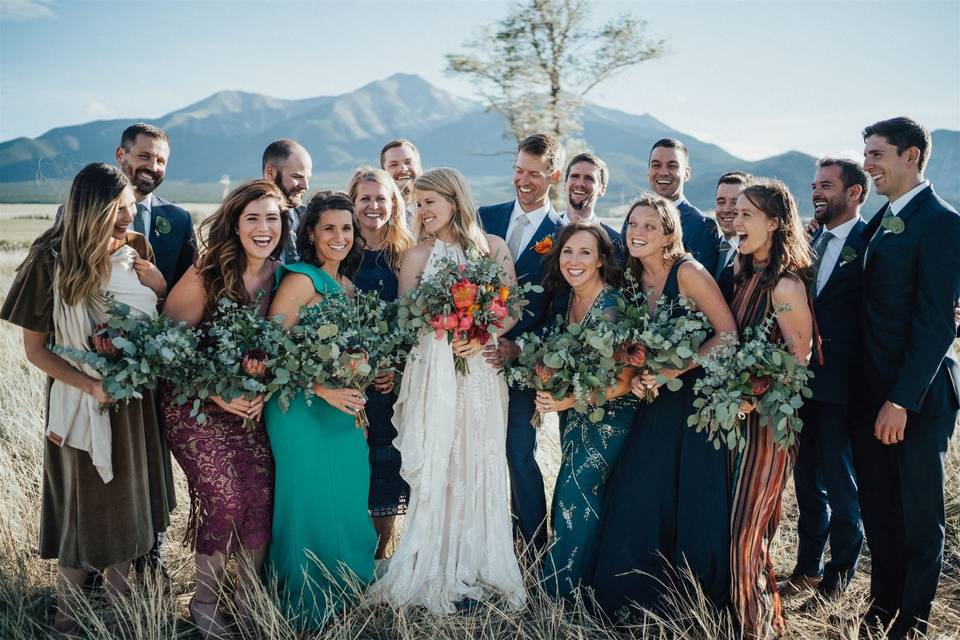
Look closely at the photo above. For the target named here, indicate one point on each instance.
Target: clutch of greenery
(466, 301)
(660, 339)
(569, 359)
(240, 353)
(755, 375)
(345, 342)
(131, 352)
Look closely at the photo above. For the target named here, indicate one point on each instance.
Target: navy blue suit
(823, 474)
(701, 235)
(911, 285)
(175, 249)
(526, 479)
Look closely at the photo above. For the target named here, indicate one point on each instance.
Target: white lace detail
(457, 539)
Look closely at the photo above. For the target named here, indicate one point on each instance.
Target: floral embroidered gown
(590, 451)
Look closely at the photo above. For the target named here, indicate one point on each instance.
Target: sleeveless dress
(457, 541)
(322, 533)
(667, 506)
(590, 451)
(388, 492)
(759, 475)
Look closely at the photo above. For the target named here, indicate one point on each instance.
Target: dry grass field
(26, 582)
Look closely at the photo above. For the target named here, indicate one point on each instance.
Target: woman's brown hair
(222, 260)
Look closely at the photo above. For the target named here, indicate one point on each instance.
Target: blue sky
(757, 78)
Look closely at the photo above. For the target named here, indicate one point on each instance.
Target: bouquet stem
(536, 420)
(461, 365)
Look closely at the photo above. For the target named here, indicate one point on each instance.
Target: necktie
(515, 241)
(819, 248)
(139, 219)
(726, 249)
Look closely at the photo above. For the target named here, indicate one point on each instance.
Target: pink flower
(499, 310)
(465, 323)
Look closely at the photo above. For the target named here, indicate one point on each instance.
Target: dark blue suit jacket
(495, 219)
(701, 236)
(911, 285)
(837, 309)
(176, 248)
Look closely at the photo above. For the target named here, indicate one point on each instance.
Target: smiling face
(532, 180)
(332, 236)
(435, 211)
(645, 234)
(893, 174)
(374, 205)
(583, 186)
(292, 176)
(726, 210)
(755, 229)
(580, 261)
(260, 228)
(126, 210)
(144, 163)
(402, 164)
(830, 199)
(667, 171)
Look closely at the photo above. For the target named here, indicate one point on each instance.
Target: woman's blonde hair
(452, 186)
(669, 218)
(222, 260)
(399, 239)
(81, 235)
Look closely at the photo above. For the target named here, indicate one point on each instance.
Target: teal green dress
(320, 500)
(590, 451)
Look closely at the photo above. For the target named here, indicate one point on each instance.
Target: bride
(457, 543)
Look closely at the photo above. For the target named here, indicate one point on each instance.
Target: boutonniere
(544, 245)
(848, 255)
(162, 225)
(893, 224)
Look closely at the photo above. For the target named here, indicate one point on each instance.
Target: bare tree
(537, 64)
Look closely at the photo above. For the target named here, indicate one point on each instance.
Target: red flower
(102, 339)
(254, 363)
(544, 372)
(465, 323)
(464, 294)
(544, 245)
(633, 354)
(759, 385)
(499, 310)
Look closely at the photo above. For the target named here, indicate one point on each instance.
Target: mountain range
(226, 133)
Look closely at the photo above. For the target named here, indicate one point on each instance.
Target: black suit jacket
(837, 309)
(529, 265)
(701, 235)
(911, 285)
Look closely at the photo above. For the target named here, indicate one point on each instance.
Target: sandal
(208, 619)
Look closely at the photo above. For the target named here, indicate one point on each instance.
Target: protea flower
(631, 353)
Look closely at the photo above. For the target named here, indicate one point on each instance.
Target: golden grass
(26, 582)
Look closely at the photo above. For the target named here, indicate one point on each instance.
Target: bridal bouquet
(346, 342)
(463, 301)
(570, 359)
(240, 353)
(131, 352)
(756, 375)
(660, 339)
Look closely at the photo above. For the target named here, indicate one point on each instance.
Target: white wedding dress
(457, 540)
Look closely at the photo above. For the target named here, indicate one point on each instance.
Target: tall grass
(152, 611)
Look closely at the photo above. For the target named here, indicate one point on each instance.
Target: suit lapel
(501, 221)
(853, 239)
(873, 235)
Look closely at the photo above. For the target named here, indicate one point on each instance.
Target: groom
(909, 379)
(529, 225)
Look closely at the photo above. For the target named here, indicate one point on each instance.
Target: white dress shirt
(148, 214)
(535, 217)
(831, 253)
(897, 205)
(565, 220)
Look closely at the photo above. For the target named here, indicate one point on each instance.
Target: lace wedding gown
(457, 540)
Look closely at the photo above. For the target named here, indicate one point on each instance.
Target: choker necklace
(760, 265)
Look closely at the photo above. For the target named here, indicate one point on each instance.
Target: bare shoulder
(692, 272)
(419, 253)
(498, 246)
(790, 290)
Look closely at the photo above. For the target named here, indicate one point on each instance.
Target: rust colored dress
(759, 474)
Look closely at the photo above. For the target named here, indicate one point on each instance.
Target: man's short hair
(903, 133)
(851, 173)
(740, 178)
(546, 147)
(399, 142)
(595, 161)
(278, 151)
(671, 143)
(129, 135)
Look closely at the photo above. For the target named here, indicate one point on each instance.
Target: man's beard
(295, 201)
(141, 186)
(579, 207)
(829, 213)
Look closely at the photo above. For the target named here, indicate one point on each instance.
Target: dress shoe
(795, 585)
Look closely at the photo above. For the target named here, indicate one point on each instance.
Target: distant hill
(227, 132)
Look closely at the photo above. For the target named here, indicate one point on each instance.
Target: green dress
(320, 512)
(590, 451)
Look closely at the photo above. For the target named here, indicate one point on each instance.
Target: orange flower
(504, 294)
(544, 245)
(464, 294)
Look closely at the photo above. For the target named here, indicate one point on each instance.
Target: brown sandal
(208, 620)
